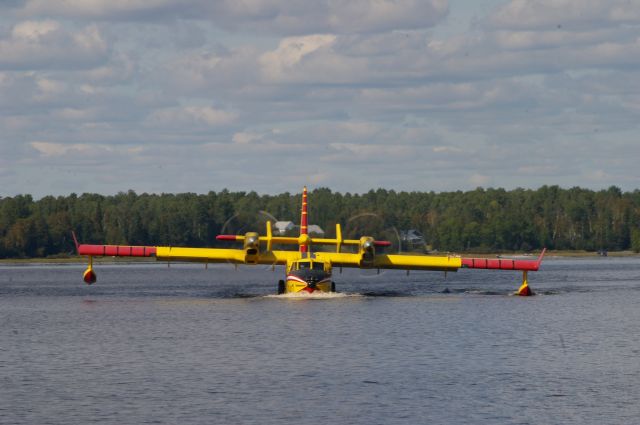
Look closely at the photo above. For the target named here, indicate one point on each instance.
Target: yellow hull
(296, 286)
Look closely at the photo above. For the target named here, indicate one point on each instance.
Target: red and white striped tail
(303, 219)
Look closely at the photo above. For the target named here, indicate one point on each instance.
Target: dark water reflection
(148, 344)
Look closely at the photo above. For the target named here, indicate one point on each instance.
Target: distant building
(412, 239)
(314, 229)
(282, 227)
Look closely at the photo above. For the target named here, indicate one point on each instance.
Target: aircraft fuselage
(308, 275)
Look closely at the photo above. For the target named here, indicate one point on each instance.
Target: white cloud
(210, 116)
(445, 96)
(528, 39)
(49, 89)
(48, 45)
(244, 138)
(13, 123)
(551, 14)
(34, 30)
(281, 63)
(598, 176)
(100, 9)
(58, 149)
(479, 180)
(356, 152)
(177, 117)
(125, 87)
(377, 15)
(447, 149)
(272, 16)
(292, 50)
(197, 73)
(75, 114)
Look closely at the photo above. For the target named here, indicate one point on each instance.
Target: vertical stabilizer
(303, 222)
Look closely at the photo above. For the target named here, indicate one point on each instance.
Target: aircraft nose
(312, 282)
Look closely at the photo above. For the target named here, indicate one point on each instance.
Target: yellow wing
(392, 261)
(219, 255)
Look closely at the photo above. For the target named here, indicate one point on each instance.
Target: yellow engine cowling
(251, 247)
(367, 251)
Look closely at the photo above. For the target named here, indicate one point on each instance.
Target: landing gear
(333, 286)
(280, 287)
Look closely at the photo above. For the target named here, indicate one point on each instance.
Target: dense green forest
(478, 220)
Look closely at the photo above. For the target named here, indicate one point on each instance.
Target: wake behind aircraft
(307, 270)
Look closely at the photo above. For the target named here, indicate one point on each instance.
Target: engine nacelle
(251, 247)
(367, 251)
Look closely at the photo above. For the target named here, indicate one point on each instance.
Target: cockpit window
(308, 265)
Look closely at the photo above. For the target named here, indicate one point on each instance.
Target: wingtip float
(307, 271)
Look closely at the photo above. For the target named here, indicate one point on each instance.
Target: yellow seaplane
(306, 270)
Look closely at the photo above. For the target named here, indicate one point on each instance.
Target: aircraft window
(302, 266)
(318, 266)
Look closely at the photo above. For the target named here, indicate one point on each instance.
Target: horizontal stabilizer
(305, 239)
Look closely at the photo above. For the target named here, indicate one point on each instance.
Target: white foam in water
(303, 295)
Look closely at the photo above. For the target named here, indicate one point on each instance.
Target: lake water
(184, 345)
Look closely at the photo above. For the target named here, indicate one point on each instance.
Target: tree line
(477, 220)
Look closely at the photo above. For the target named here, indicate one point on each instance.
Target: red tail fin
(303, 219)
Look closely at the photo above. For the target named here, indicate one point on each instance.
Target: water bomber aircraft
(307, 270)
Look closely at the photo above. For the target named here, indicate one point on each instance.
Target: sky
(103, 96)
